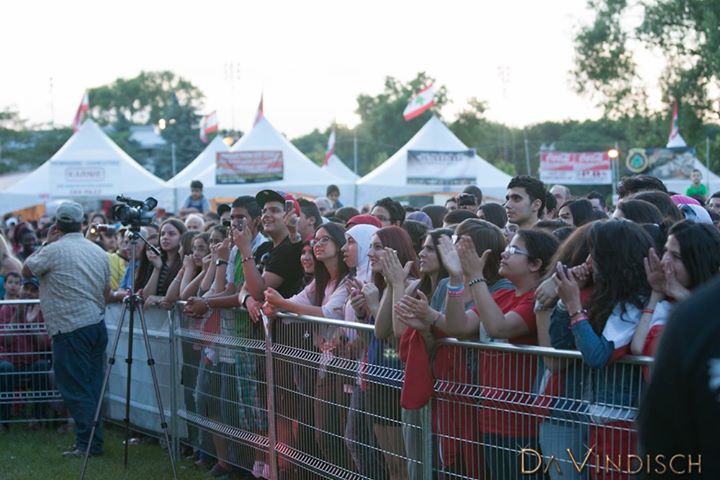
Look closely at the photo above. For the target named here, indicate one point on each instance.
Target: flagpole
(355, 166)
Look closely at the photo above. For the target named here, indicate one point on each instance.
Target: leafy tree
(146, 99)
(684, 32)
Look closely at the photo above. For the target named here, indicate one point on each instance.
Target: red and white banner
(418, 104)
(575, 168)
(80, 114)
(675, 140)
(248, 167)
(330, 150)
(208, 125)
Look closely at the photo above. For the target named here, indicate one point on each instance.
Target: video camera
(133, 213)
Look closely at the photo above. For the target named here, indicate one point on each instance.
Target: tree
(146, 99)
(684, 32)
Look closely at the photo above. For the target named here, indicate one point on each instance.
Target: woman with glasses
(325, 297)
(507, 315)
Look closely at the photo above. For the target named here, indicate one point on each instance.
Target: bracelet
(455, 288)
(649, 311)
(247, 259)
(477, 280)
(575, 321)
(581, 311)
(456, 293)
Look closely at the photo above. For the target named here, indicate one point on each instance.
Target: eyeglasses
(513, 250)
(320, 241)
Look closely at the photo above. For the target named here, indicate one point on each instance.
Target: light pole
(613, 153)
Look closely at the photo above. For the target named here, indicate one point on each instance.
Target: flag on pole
(675, 139)
(419, 103)
(80, 114)
(260, 114)
(208, 125)
(330, 150)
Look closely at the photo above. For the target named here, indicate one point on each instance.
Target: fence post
(427, 450)
(270, 387)
(174, 323)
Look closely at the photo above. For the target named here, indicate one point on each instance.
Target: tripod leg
(156, 385)
(106, 378)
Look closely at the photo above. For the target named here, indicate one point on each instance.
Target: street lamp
(614, 153)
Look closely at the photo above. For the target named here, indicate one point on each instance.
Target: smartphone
(227, 223)
(289, 206)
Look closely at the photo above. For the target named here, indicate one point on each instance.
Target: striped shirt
(74, 273)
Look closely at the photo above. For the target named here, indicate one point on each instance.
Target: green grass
(27, 455)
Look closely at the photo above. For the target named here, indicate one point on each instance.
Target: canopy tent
(206, 158)
(299, 174)
(435, 140)
(337, 167)
(88, 165)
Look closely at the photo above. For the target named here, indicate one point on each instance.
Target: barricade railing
(27, 390)
(308, 397)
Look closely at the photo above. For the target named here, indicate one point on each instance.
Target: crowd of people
(544, 267)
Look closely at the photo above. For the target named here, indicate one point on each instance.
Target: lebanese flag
(330, 148)
(84, 107)
(675, 139)
(424, 99)
(208, 125)
(260, 113)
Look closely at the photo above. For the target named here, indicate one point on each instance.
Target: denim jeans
(79, 366)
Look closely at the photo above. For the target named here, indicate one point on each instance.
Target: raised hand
(449, 257)
(473, 264)
(393, 272)
(547, 293)
(372, 297)
(273, 298)
(654, 272)
(188, 263)
(673, 287)
(568, 288)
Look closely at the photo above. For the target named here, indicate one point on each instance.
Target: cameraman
(74, 284)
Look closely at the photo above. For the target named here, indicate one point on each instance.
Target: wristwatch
(220, 261)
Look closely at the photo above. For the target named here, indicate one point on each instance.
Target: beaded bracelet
(247, 259)
(476, 281)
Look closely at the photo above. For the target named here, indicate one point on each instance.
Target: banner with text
(575, 168)
(441, 168)
(663, 163)
(93, 178)
(248, 167)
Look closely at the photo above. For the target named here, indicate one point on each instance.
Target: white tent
(88, 165)
(206, 158)
(390, 178)
(300, 175)
(337, 167)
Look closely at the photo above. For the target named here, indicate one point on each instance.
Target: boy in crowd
(196, 202)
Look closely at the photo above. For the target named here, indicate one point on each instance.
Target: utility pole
(172, 156)
(355, 151)
(527, 152)
(707, 163)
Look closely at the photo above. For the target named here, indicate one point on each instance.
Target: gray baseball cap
(69, 212)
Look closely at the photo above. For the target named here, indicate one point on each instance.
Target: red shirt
(507, 379)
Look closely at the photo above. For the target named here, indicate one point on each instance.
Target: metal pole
(355, 152)
(172, 156)
(614, 173)
(527, 153)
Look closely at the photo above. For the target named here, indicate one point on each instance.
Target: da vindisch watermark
(532, 461)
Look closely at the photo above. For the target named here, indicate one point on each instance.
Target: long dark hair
(582, 211)
(618, 248)
(699, 250)
(144, 269)
(336, 232)
(399, 240)
(426, 282)
(174, 268)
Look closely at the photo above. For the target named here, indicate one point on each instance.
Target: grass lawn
(27, 454)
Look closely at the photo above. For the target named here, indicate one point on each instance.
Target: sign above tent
(426, 167)
(84, 177)
(663, 163)
(246, 166)
(575, 168)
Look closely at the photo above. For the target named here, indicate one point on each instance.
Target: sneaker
(258, 468)
(77, 453)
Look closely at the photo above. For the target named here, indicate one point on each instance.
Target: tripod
(132, 304)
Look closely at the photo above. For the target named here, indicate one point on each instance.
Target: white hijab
(361, 234)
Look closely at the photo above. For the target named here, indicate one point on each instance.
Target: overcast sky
(310, 58)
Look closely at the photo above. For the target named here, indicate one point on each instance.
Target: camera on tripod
(133, 213)
(99, 228)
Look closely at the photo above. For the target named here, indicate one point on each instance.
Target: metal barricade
(507, 411)
(27, 390)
